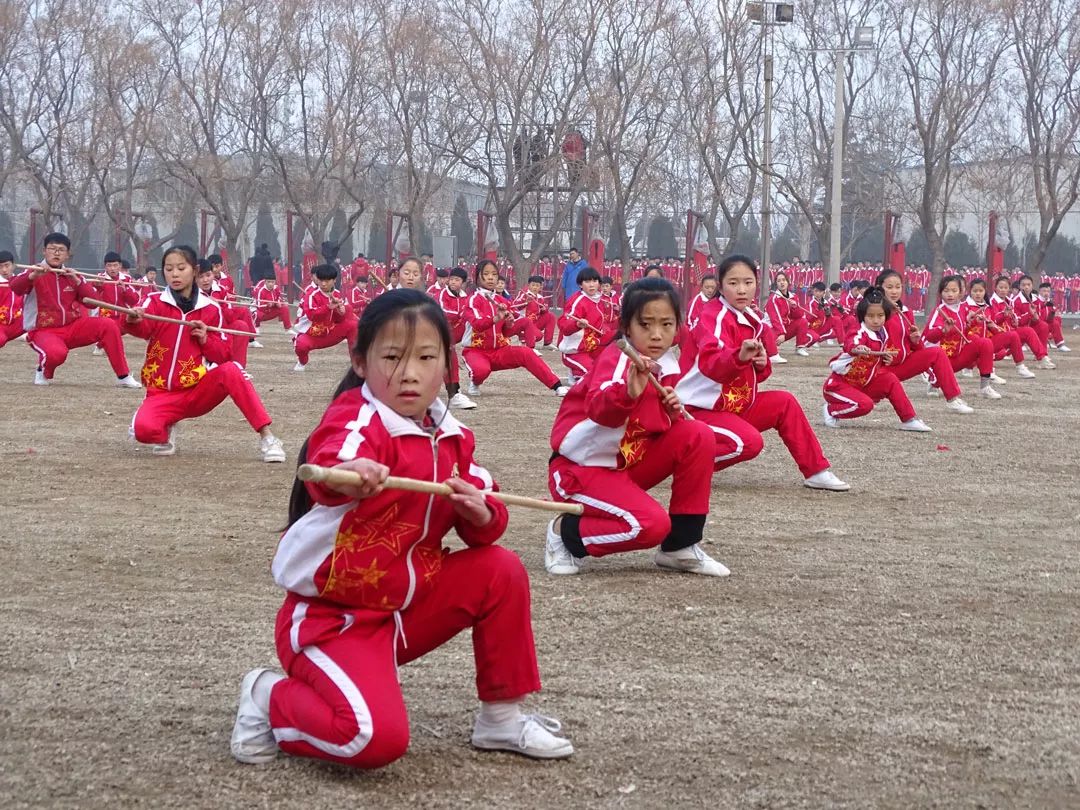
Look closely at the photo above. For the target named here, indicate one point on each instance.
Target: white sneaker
(533, 735)
(1061, 347)
(40, 378)
(915, 426)
(292, 331)
(831, 342)
(988, 392)
(252, 740)
(537, 352)
(557, 557)
(299, 366)
(273, 452)
(1046, 363)
(571, 380)
(459, 400)
(995, 379)
(802, 352)
(690, 560)
(967, 372)
(167, 449)
(777, 360)
(255, 345)
(562, 391)
(957, 405)
(128, 382)
(98, 351)
(474, 390)
(551, 347)
(1022, 371)
(826, 480)
(931, 390)
(830, 420)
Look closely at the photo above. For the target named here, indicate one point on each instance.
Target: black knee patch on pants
(685, 531)
(570, 531)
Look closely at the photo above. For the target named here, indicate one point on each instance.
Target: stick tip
(308, 472)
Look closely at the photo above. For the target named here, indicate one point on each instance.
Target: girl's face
(489, 277)
(590, 287)
(404, 371)
(875, 317)
(205, 281)
(653, 329)
(1026, 285)
(708, 288)
(1002, 289)
(179, 274)
(894, 289)
(978, 293)
(739, 286)
(951, 294)
(409, 275)
(782, 283)
(326, 284)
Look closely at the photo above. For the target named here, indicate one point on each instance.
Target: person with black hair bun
(860, 375)
(368, 583)
(788, 318)
(325, 320)
(582, 325)
(945, 328)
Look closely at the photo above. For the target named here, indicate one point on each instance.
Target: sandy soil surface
(912, 643)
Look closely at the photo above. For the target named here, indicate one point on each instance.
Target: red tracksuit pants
(930, 359)
(1007, 344)
(620, 515)
(847, 401)
(481, 362)
(531, 330)
(978, 352)
(797, 329)
(163, 409)
(1053, 331)
(52, 345)
(342, 701)
(738, 436)
(343, 330)
(264, 314)
(1034, 338)
(580, 363)
(10, 332)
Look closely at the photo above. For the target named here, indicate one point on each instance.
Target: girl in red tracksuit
(788, 317)
(487, 348)
(270, 304)
(232, 316)
(913, 356)
(534, 319)
(1028, 316)
(1004, 314)
(359, 296)
(615, 438)
(454, 301)
(368, 583)
(178, 383)
(946, 326)
(859, 379)
(723, 361)
(1049, 315)
(326, 320)
(582, 325)
(979, 322)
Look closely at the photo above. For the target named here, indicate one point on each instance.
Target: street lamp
(862, 40)
(759, 14)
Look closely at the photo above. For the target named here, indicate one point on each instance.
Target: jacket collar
(201, 298)
(747, 317)
(398, 425)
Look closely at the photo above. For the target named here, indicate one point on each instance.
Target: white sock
(499, 713)
(260, 691)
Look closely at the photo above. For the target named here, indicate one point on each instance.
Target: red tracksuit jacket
(1002, 313)
(600, 425)
(121, 295)
(319, 313)
(530, 306)
(484, 328)
(819, 317)
(576, 338)
(950, 336)
(454, 306)
(783, 310)
(174, 359)
(693, 312)
(50, 300)
(898, 327)
(713, 376)
(382, 552)
(11, 305)
(859, 370)
(1027, 312)
(268, 299)
(983, 326)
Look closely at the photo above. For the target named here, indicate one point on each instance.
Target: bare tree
(949, 54)
(1046, 53)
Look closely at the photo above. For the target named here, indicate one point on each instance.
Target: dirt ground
(912, 643)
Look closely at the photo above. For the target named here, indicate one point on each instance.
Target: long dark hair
(186, 251)
(408, 305)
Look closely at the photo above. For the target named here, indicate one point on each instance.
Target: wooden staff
(129, 311)
(631, 352)
(87, 275)
(333, 475)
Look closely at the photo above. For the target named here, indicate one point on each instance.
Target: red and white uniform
(823, 320)
(858, 381)
(178, 383)
(56, 322)
(722, 391)
(612, 449)
(453, 306)
(1005, 315)
(945, 328)
(322, 325)
(237, 316)
(1048, 314)
(121, 295)
(693, 312)
(535, 320)
(435, 289)
(979, 323)
(369, 586)
(487, 347)
(1029, 315)
(581, 345)
(270, 305)
(789, 320)
(225, 282)
(358, 299)
(11, 309)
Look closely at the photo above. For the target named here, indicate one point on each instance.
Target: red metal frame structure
(483, 218)
(392, 232)
(895, 250)
(995, 256)
(693, 222)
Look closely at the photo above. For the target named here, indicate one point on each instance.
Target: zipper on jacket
(427, 520)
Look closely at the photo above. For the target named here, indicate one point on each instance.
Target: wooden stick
(128, 311)
(631, 352)
(96, 277)
(333, 475)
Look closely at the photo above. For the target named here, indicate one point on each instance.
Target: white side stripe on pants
(735, 437)
(611, 509)
(854, 405)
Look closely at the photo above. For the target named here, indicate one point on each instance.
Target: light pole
(767, 14)
(863, 40)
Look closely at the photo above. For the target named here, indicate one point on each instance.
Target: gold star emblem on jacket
(191, 371)
(156, 351)
(736, 397)
(383, 530)
(632, 445)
